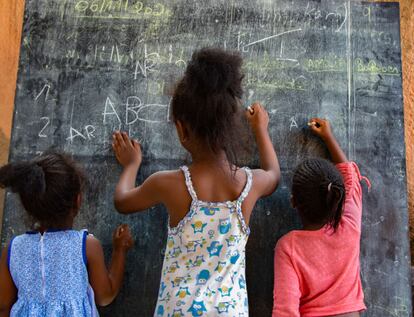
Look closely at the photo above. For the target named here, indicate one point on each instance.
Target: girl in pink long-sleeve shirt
(317, 271)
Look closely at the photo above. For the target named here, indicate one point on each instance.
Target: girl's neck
(312, 226)
(209, 158)
(66, 225)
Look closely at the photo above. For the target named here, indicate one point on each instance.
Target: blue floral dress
(203, 272)
(49, 271)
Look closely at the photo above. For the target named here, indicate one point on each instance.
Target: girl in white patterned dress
(209, 202)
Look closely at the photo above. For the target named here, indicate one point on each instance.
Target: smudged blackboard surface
(88, 67)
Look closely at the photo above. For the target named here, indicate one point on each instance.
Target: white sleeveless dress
(203, 272)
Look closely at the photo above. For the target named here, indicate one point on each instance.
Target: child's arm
(107, 283)
(352, 209)
(127, 197)
(286, 289)
(8, 291)
(322, 128)
(269, 175)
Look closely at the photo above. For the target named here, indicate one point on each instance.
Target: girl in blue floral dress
(53, 270)
(210, 201)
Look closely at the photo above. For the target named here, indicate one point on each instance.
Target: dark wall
(90, 67)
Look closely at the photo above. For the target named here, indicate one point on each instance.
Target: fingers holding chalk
(314, 124)
(254, 107)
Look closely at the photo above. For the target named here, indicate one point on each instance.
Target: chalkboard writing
(89, 67)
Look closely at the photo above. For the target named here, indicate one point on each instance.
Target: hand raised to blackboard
(321, 128)
(258, 117)
(127, 151)
(107, 281)
(122, 239)
(268, 176)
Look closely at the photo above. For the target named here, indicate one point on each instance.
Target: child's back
(204, 263)
(322, 267)
(54, 270)
(54, 280)
(317, 270)
(209, 208)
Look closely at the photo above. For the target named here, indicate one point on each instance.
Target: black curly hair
(319, 192)
(208, 100)
(48, 186)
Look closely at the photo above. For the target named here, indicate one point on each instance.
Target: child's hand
(321, 128)
(258, 117)
(127, 151)
(122, 239)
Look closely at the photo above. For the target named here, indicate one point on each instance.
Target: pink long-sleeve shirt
(317, 273)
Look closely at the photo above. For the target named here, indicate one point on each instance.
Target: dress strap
(247, 187)
(189, 183)
(9, 253)
(242, 196)
(84, 234)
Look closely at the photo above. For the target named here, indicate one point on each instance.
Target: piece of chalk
(313, 123)
(251, 110)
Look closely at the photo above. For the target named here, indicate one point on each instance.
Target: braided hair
(319, 192)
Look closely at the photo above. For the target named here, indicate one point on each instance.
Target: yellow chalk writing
(120, 9)
(339, 64)
(325, 64)
(296, 84)
(374, 67)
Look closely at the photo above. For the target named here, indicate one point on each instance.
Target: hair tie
(329, 187)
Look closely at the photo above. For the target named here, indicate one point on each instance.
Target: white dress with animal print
(204, 265)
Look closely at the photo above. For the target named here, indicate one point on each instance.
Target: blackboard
(88, 67)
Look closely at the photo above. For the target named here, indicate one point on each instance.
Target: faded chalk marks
(89, 67)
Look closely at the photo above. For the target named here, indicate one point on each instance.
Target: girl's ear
(78, 202)
(76, 206)
(292, 201)
(182, 131)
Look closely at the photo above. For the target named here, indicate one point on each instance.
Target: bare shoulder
(168, 175)
(258, 173)
(165, 178)
(259, 177)
(92, 242)
(93, 247)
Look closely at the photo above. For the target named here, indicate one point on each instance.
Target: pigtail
(48, 187)
(25, 178)
(334, 201)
